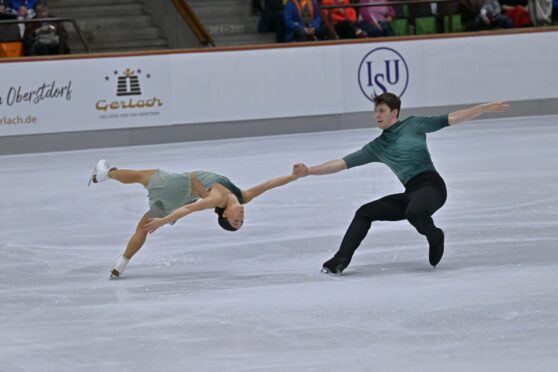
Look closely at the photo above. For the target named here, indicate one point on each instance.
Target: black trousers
(424, 194)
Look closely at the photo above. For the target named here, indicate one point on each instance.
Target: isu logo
(128, 84)
(383, 70)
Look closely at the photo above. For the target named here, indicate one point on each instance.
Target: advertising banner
(84, 94)
(220, 86)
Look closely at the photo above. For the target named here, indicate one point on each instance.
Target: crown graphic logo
(128, 84)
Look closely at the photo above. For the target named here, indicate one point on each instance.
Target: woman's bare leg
(138, 238)
(132, 176)
(134, 244)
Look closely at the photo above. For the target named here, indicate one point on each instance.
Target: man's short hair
(390, 99)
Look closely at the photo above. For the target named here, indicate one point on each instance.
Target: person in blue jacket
(303, 21)
(29, 4)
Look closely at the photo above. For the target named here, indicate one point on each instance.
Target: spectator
(469, 10)
(25, 10)
(45, 38)
(10, 39)
(419, 10)
(272, 19)
(6, 12)
(8, 32)
(344, 20)
(555, 11)
(378, 17)
(491, 17)
(303, 21)
(256, 7)
(29, 4)
(519, 14)
(23, 13)
(540, 11)
(4, 7)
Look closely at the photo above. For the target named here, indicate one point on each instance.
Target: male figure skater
(402, 147)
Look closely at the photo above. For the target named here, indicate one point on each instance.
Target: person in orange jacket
(344, 20)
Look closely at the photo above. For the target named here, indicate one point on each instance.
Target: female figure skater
(173, 196)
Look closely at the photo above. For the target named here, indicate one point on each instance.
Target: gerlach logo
(128, 84)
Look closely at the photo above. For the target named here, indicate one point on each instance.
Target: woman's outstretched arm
(332, 166)
(211, 201)
(250, 194)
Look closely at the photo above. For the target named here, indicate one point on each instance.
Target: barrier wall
(236, 86)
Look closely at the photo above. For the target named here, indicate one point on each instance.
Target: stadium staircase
(109, 25)
(124, 25)
(230, 22)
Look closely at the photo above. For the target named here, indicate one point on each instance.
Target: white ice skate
(100, 172)
(119, 267)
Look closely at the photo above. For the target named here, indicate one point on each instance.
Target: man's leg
(134, 244)
(422, 205)
(388, 208)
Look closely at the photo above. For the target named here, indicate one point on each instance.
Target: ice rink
(198, 298)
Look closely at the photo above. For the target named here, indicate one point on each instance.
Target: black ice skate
(336, 265)
(436, 251)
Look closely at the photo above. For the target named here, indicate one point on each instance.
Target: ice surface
(198, 298)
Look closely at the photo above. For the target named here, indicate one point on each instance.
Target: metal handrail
(53, 20)
(193, 22)
(329, 8)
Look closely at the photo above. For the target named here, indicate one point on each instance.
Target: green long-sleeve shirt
(402, 147)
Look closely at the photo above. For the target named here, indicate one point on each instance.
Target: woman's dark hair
(223, 222)
(390, 99)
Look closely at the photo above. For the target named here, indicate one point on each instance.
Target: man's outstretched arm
(470, 113)
(332, 166)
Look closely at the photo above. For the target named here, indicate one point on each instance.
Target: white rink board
(227, 86)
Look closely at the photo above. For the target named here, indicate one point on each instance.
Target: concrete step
(244, 39)
(97, 11)
(109, 25)
(122, 45)
(118, 34)
(230, 22)
(123, 49)
(114, 23)
(229, 27)
(221, 8)
(220, 3)
(86, 3)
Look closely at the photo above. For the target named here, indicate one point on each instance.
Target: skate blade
(114, 275)
(92, 176)
(331, 273)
